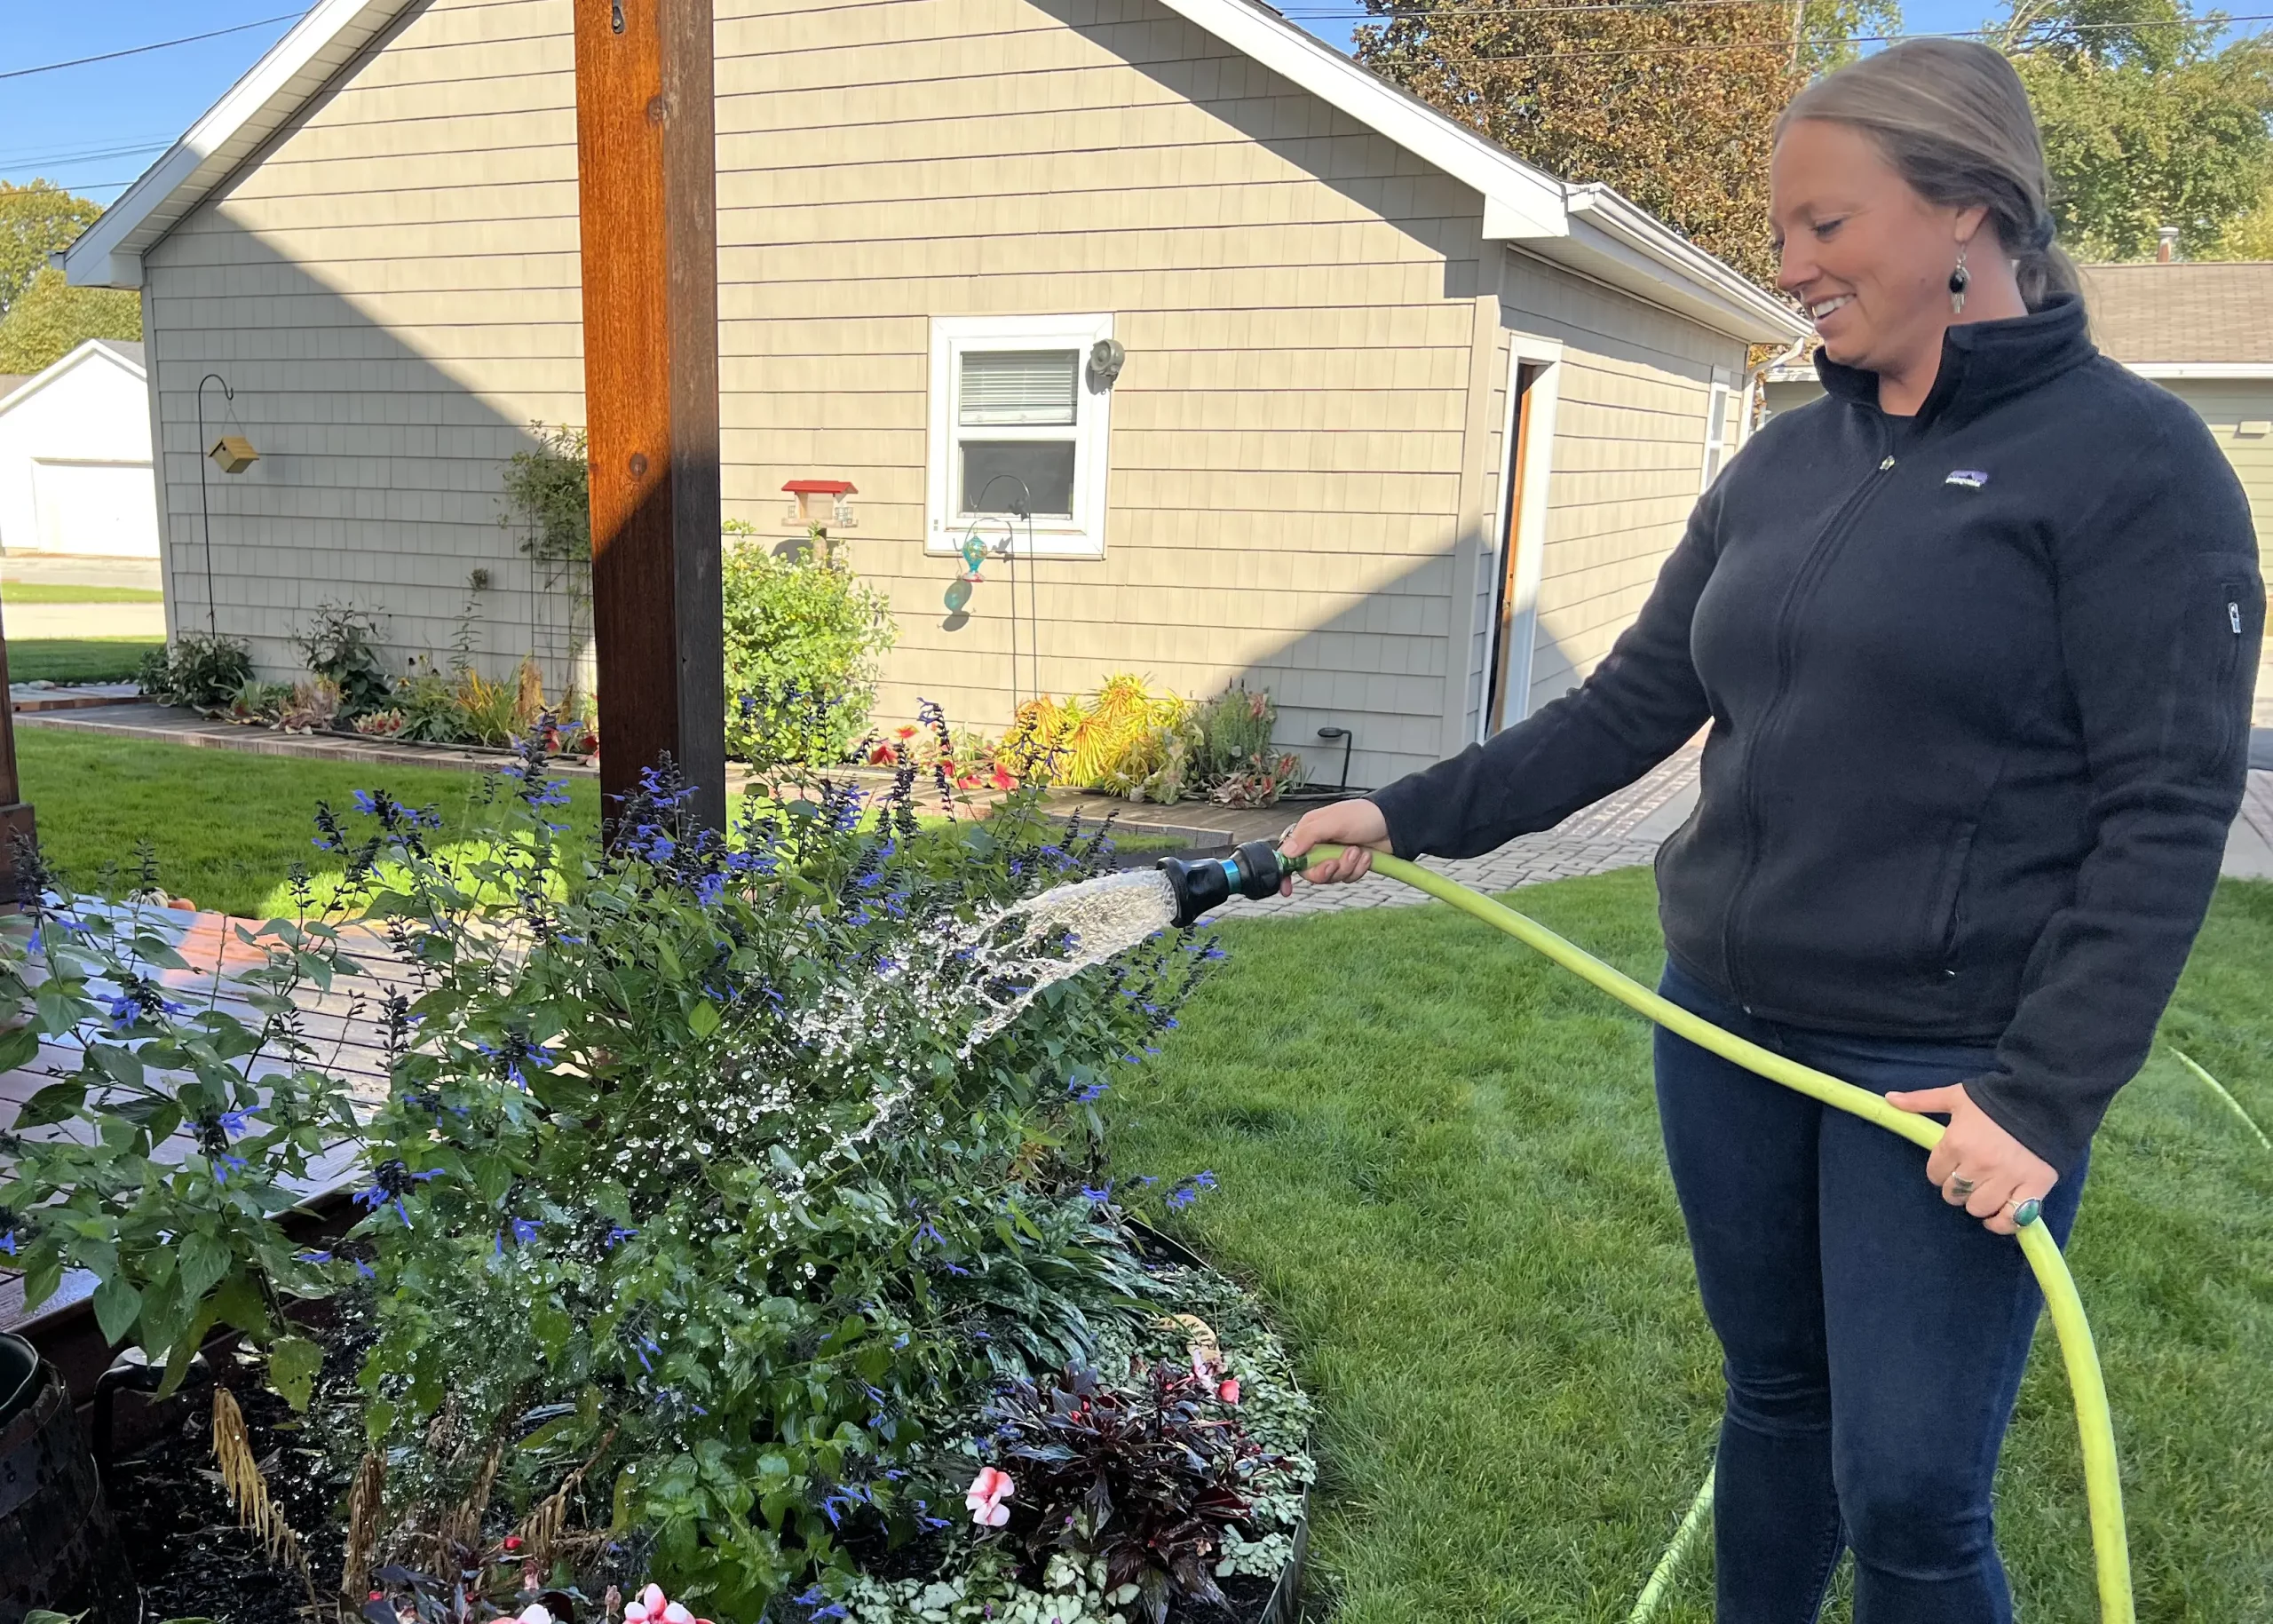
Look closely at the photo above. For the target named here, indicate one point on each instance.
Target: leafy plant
(548, 496)
(202, 671)
(380, 724)
(803, 639)
(260, 701)
(179, 1124)
(723, 1176)
(488, 712)
(314, 705)
(432, 713)
(1149, 1480)
(1101, 742)
(341, 645)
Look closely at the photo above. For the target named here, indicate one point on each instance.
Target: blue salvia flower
(225, 1165)
(618, 1233)
(231, 1123)
(1097, 1197)
(8, 1242)
(525, 1230)
(1090, 1095)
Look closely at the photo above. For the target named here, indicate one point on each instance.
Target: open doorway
(1516, 590)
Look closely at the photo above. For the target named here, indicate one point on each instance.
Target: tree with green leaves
(35, 220)
(51, 319)
(2148, 122)
(1673, 103)
(42, 318)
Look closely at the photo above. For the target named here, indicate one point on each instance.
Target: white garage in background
(74, 456)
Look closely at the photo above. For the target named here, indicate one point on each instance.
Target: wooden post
(648, 190)
(15, 817)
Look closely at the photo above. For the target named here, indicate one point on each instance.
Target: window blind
(1029, 387)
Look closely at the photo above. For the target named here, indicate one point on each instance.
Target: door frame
(1519, 529)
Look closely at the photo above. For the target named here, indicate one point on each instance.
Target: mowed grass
(223, 828)
(77, 659)
(64, 592)
(1439, 1160)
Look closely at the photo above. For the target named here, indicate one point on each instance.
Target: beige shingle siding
(393, 292)
(2227, 407)
(1294, 468)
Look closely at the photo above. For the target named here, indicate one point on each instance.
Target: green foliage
(429, 703)
(50, 319)
(35, 220)
(804, 640)
(726, 1166)
(2147, 121)
(341, 644)
(184, 1239)
(202, 671)
(548, 497)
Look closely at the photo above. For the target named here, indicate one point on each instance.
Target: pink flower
(986, 1495)
(651, 1606)
(1229, 1392)
(674, 1613)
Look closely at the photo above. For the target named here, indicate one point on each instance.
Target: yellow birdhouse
(233, 454)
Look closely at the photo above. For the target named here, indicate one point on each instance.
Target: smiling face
(1866, 256)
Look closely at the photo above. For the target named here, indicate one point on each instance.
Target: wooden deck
(344, 1026)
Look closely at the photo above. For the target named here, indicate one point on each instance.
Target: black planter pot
(58, 1548)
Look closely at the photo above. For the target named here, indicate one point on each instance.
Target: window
(1717, 423)
(1017, 421)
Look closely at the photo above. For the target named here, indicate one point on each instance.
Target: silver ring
(1961, 1186)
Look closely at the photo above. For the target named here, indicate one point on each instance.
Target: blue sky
(94, 127)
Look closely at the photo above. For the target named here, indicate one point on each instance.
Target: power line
(24, 160)
(136, 50)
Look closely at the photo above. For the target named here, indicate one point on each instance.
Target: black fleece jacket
(1979, 685)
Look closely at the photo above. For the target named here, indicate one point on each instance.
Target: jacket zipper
(1803, 580)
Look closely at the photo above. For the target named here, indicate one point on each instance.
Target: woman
(1975, 636)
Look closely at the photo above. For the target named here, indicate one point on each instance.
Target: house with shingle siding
(1305, 384)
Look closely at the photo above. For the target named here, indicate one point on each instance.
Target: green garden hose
(2102, 1483)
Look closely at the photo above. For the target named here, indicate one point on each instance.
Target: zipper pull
(1885, 465)
(2233, 613)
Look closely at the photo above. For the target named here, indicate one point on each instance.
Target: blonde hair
(1954, 119)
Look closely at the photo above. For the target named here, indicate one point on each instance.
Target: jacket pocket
(2229, 604)
(1948, 918)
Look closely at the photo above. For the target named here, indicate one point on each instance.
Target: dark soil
(181, 1534)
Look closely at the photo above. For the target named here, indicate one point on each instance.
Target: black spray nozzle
(1253, 870)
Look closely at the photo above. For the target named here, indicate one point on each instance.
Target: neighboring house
(74, 456)
(1343, 322)
(2205, 332)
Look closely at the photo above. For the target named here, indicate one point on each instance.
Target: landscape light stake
(204, 497)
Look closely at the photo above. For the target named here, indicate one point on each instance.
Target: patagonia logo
(1972, 479)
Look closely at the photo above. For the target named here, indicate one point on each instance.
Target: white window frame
(1084, 535)
(1720, 399)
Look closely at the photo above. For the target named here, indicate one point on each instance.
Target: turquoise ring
(2027, 1213)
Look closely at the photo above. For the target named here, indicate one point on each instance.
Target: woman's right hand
(1357, 825)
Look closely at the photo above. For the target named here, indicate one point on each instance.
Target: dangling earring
(1960, 279)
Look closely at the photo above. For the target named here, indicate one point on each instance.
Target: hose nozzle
(1254, 870)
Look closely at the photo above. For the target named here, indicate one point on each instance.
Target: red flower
(904, 733)
(880, 757)
(513, 1541)
(1003, 780)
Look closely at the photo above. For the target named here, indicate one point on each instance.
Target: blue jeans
(1873, 1335)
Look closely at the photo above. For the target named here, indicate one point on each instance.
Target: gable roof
(15, 389)
(2184, 321)
(1589, 229)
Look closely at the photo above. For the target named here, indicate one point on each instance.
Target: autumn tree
(1673, 102)
(2148, 122)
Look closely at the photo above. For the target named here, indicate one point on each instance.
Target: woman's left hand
(1975, 1152)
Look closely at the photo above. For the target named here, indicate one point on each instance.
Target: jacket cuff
(2060, 1134)
(1397, 811)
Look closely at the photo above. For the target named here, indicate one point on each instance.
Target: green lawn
(1439, 1160)
(77, 659)
(60, 593)
(225, 828)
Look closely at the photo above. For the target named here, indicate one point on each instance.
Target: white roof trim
(76, 359)
(108, 254)
(2203, 370)
(1588, 228)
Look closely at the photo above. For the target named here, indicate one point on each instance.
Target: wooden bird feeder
(232, 453)
(839, 510)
